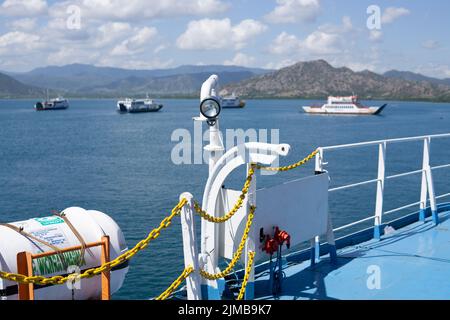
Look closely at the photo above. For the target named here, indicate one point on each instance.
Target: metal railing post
(380, 190)
(315, 244)
(191, 257)
(427, 185)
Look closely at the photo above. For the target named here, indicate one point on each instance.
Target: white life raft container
(91, 225)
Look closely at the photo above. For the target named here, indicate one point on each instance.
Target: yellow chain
(186, 272)
(292, 166)
(236, 207)
(248, 270)
(237, 254)
(89, 273)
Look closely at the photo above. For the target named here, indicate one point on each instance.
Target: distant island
(308, 80)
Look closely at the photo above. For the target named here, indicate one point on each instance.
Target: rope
(251, 256)
(30, 236)
(63, 216)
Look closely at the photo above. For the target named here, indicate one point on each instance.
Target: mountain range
(81, 80)
(312, 79)
(11, 88)
(318, 79)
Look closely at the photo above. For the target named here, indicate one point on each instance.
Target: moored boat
(344, 105)
(232, 101)
(58, 103)
(138, 105)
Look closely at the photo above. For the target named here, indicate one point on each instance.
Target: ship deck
(413, 263)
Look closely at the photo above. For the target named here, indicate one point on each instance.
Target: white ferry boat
(138, 105)
(232, 101)
(344, 105)
(53, 104)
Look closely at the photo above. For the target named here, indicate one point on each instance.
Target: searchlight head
(210, 108)
(209, 101)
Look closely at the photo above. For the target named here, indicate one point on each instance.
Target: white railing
(427, 186)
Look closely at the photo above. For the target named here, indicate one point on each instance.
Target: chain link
(236, 207)
(248, 270)
(186, 272)
(292, 166)
(237, 254)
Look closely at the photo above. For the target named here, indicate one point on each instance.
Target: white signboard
(299, 207)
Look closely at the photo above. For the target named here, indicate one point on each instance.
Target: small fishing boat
(232, 101)
(344, 105)
(138, 105)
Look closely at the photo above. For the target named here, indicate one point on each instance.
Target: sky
(376, 35)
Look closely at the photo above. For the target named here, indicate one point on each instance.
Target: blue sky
(147, 34)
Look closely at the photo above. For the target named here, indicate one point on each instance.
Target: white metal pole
(429, 180)
(424, 186)
(209, 231)
(380, 190)
(190, 250)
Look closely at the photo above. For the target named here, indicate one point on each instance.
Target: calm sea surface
(91, 156)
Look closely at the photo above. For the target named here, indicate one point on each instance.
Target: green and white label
(46, 221)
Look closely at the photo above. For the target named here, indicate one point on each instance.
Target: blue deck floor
(413, 263)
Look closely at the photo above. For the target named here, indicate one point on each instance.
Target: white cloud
(111, 32)
(375, 35)
(210, 34)
(431, 44)
(285, 43)
(23, 7)
(145, 63)
(136, 43)
(292, 11)
(346, 26)
(25, 24)
(240, 59)
(18, 42)
(393, 13)
(320, 42)
(280, 64)
(160, 48)
(138, 10)
(434, 70)
(326, 40)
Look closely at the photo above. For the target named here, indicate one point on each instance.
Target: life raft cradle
(26, 279)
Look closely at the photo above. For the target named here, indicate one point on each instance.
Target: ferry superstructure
(349, 105)
(138, 105)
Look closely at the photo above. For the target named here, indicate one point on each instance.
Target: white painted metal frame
(251, 152)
